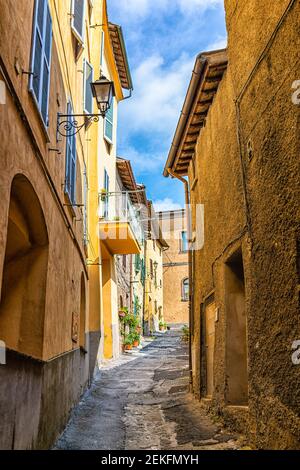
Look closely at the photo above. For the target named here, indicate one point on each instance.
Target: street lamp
(103, 91)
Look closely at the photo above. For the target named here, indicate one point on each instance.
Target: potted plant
(103, 195)
(136, 339)
(128, 342)
(185, 334)
(162, 326)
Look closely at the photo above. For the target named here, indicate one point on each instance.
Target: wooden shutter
(78, 16)
(70, 183)
(39, 83)
(88, 96)
(108, 129)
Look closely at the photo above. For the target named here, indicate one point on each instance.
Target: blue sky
(163, 38)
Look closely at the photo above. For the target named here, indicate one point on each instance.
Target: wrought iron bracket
(68, 124)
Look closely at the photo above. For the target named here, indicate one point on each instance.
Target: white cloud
(135, 10)
(143, 161)
(219, 43)
(166, 204)
(158, 96)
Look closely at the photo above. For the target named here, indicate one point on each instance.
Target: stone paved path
(142, 402)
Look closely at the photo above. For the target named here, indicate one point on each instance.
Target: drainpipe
(187, 204)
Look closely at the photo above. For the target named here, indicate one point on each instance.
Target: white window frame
(79, 38)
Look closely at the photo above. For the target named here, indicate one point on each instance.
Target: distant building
(175, 267)
(130, 269)
(153, 304)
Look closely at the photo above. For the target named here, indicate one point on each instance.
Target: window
(151, 268)
(88, 96)
(106, 187)
(39, 82)
(77, 19)
(136, 306)
(184, 242)
(70, 182)
(108, 124)
(143, 272)
(137, 263)
(185, 290)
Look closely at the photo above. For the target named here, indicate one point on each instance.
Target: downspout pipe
(187, 205)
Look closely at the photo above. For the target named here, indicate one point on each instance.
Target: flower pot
(135, 344)
(161, 328)
(127, 347)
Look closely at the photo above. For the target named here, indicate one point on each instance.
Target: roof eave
(202, 62)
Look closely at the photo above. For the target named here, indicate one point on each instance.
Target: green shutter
(108, 125)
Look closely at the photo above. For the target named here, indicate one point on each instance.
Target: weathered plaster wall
(269, 124)
(260, 216)
(36, 397)
(219, 189)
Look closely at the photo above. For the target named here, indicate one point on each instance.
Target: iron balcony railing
(118, 207)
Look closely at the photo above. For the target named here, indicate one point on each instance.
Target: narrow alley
(142, 402)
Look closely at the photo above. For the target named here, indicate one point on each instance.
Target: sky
(163, 38)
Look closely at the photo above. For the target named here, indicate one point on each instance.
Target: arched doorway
(23, 290)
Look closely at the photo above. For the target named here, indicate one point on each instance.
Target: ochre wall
(257, 214)
(54, 366)
(270, 122)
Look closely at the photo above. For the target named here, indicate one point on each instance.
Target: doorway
(236, 332)
(210, 309)
(23, 290)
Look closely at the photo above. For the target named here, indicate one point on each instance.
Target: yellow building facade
(56, 282)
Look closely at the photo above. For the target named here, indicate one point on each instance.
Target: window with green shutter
(143, 272)
(108, 124)
(137, 263)
(70, 178)
(88, 79)
(39, 83)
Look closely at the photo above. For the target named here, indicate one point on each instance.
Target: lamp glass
(103, 91)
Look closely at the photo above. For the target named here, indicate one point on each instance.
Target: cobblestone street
(142, 402)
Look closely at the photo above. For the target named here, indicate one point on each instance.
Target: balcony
(120, 228)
